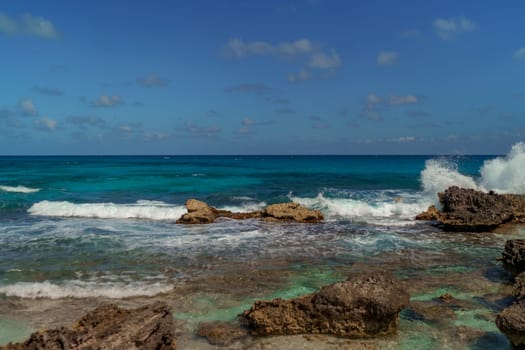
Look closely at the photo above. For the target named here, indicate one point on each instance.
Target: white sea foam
(19, 189)
(397, 212)
(440, 174)
(505, 174)
(501, 174)
(153, 210)
(245, 207)
(83, 289)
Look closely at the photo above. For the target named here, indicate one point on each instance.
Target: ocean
(76, 231)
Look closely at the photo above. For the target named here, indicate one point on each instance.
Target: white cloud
(311, 55)
(239, 49)
(325, 61)
(373, 99)
(39, 26)
(302, 75)
(156, 136)
(403, 100)
(152, 80)
(404, 139)
(387, 57)
(46, 124)
(29, 25)
(28, 108)
(107, 101)
(447, 29)
(7, 25)
(520, 54)
(247, 122)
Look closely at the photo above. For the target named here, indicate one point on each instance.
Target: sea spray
(505, 174)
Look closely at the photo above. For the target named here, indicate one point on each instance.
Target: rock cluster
(511, 321)
(472, 210)
(201, 213)
(364, 306)
(109, 327)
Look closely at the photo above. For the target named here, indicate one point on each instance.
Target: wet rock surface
(201, 213)
(364, 306)
(511, 321)
(221, 333)
(109, 327)
(472, 210)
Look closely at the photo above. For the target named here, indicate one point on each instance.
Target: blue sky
(261, 77)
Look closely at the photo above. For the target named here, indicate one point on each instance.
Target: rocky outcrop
(431, 214)
(471, 210)
(291, 212)
(201, 213)
(109, 327)
(364, 306)
(513, 256)
(511, 321)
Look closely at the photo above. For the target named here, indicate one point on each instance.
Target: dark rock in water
(364, 306)
(513, 256)
(519, 287)
(291, 212)
(220, 333)
(471, 210)
(201, 213)
(511, 322)
(109, 327)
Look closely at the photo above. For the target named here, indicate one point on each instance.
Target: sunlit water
(78, 231)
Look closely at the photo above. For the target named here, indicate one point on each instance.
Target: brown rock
(220, 333)
(292, 212)
(201, 213)
(471, 210)
(364, 306)
(431, 214)
(511, 322)
(109, 327)
(513, 256)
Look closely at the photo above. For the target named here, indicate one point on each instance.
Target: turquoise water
(103, 227)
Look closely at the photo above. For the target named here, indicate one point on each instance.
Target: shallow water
(79, 231)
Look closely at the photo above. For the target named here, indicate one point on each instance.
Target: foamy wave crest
(82, 289)
(380, 212)
(501, 174)
(505, 174)
(246, 207)
(19, 189)
(153, 210)
(440, 174)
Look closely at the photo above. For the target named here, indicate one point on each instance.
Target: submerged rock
(109, 327)
(511, 322)
(201, 213)
(472, 210)
(364, 306)
(220, 333)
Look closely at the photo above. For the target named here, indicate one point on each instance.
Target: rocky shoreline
(367, 305)
(475, 211)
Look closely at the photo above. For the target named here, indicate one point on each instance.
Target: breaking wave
(501, 174)
(19, 189)
(82, 289)
(153, 210)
